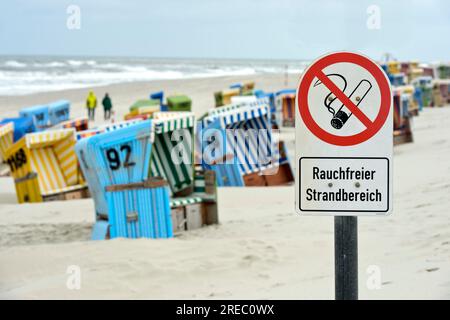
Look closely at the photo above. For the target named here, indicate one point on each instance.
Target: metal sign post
(346, 258)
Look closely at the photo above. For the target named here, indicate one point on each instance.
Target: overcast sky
(282, 29)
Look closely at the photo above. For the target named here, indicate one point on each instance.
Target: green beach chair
(174, 135)
(179, 103)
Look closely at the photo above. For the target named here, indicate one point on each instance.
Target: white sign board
(344, 138)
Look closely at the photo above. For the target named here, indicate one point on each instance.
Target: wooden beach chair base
(200, 208)
(192, 213)
(267, 177)
(69, 193)
(402, 137)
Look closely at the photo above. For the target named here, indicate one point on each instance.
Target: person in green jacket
(107, 106)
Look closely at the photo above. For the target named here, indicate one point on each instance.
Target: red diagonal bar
(344, 99)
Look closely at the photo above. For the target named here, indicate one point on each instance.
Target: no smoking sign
(344, 133)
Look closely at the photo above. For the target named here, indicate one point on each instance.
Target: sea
(21, 75)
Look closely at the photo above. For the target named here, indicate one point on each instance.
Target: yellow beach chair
(45, 167)
(6, 139)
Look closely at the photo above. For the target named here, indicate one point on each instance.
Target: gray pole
(346, 258)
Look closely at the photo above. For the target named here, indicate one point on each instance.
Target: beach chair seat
(198, 209)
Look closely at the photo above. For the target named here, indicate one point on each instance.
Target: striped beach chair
(243, 156)
(79, 124)
(172, 154)
(45, 167)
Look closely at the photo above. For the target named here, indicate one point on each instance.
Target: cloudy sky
(276, 29)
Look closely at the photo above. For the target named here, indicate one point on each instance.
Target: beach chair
(288, 110)
(393, 67)
(22, 126)
(45, 168)
(39, 114)
(79, 124)
(174, 134)
(6, 138)
(278, 102)
(425, 85)
(179, 103)
(428, 71)
(441, 94)
(247, 87)
(115, 164)
(402, 126)
(143, 109)
(193, 199)
(397, 79)
(58, 112)
(248, 157)
(443, 71)
(408, 92)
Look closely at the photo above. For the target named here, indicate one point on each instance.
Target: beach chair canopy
(172, 154)
(59, 111)
(179, 103)
(53, 158)
(39, 114)
(22, 126)
(158, 96)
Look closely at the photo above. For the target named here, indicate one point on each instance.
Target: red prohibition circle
(316, 68)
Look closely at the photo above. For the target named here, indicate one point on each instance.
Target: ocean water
(23, 75)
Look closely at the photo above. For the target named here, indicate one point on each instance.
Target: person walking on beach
(91, 104)
(107, 106)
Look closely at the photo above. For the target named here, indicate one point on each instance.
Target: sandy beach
(260, 250)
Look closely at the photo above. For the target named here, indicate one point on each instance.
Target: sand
(260, 250)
